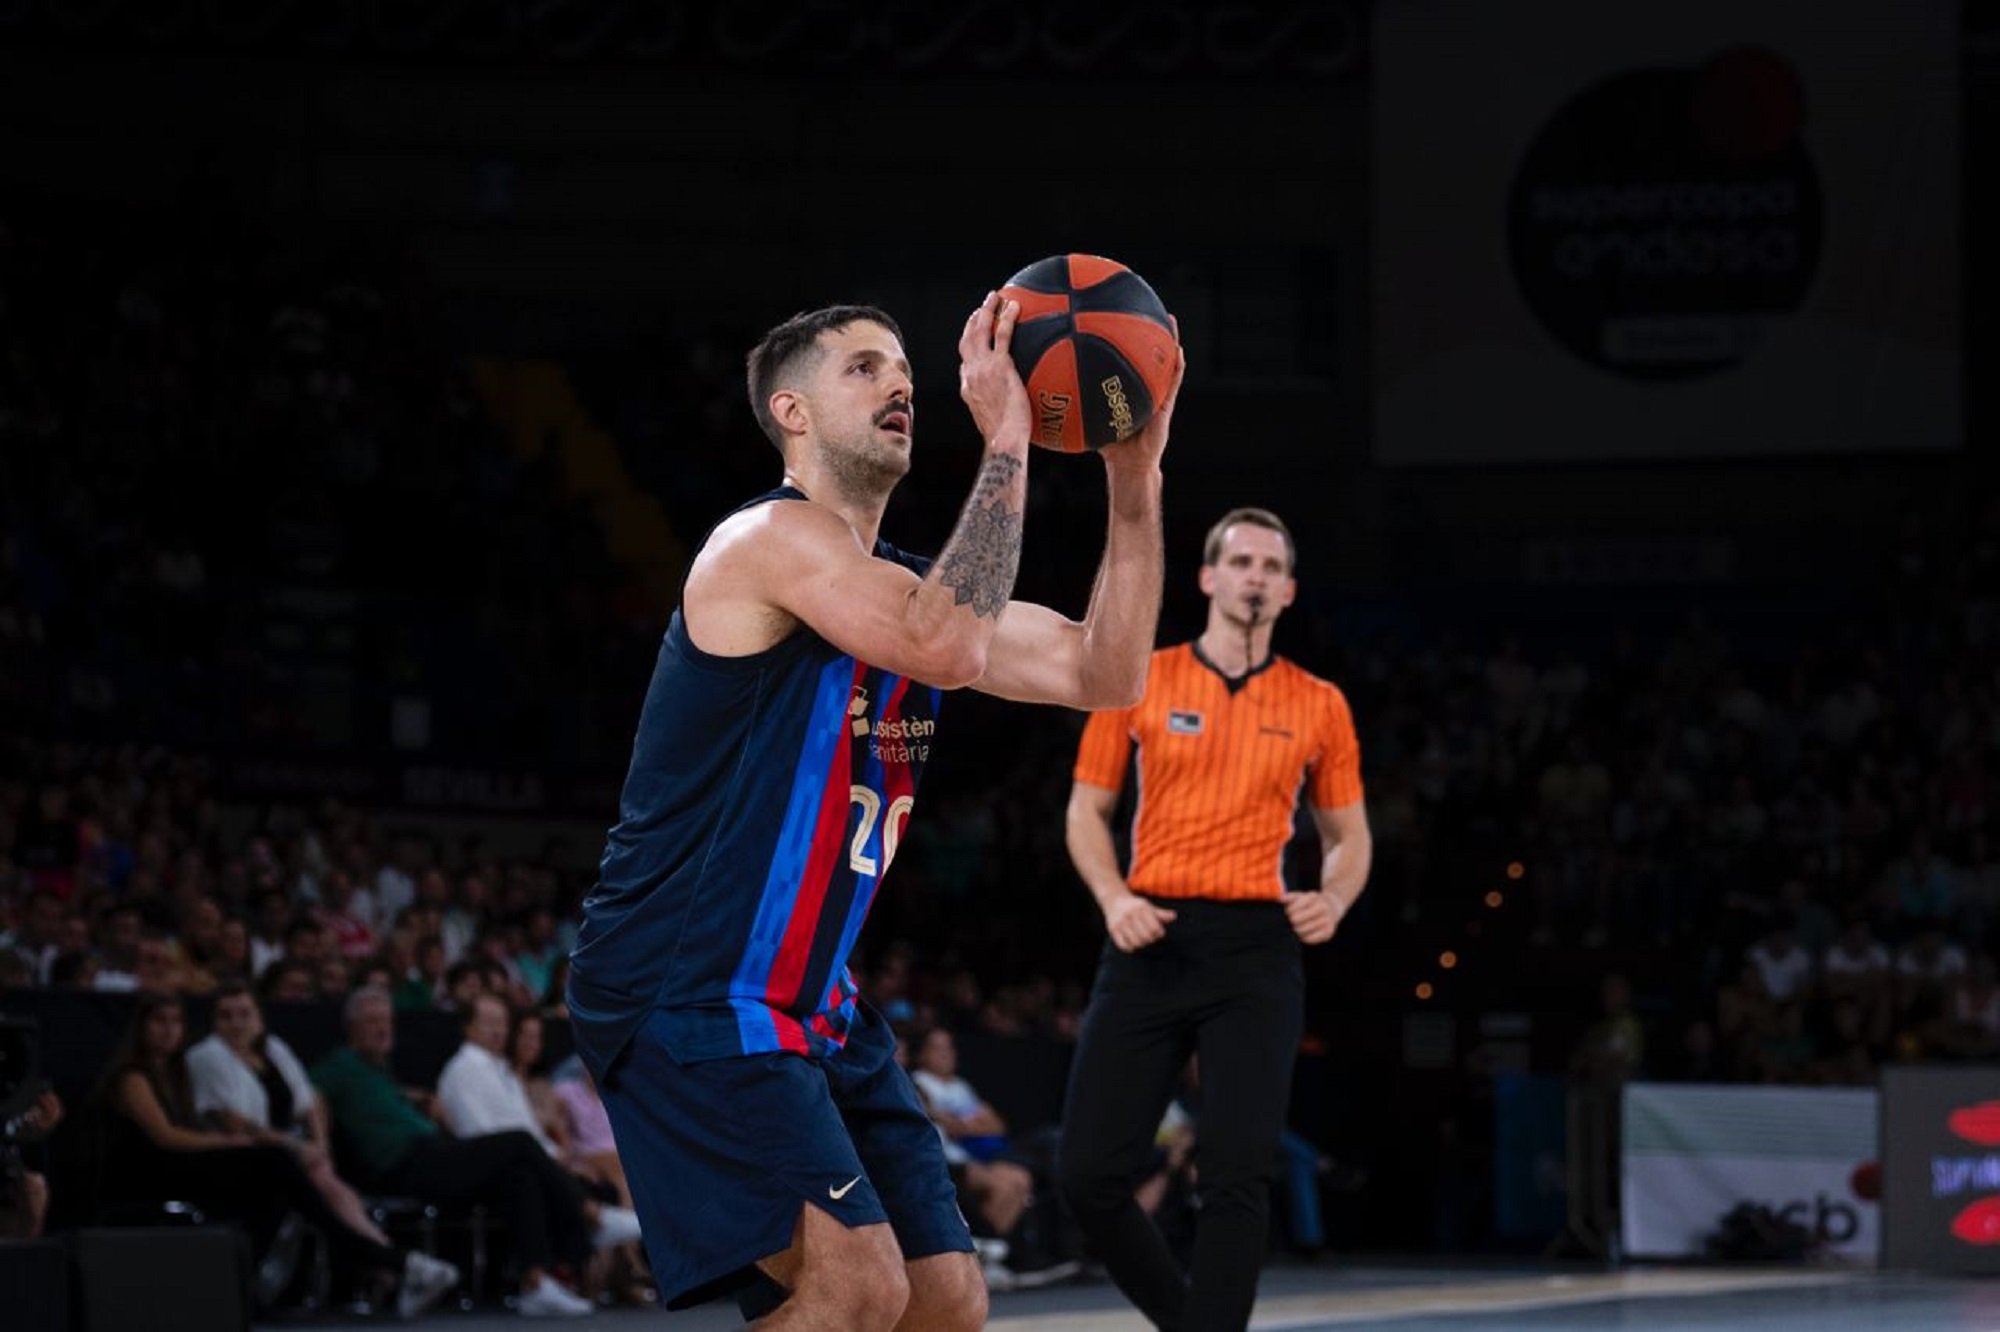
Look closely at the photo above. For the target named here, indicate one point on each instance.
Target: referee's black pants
(1227, 983)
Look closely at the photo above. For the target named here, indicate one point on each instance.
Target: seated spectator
(420, 988)
(345, 919)
(478, 1089)
(1856, 966)
(965, 1118)
(287, 981)
(539, 951)
(306, 941)
(249, 1082)
(587, 1129)
(463, 983)
(73, 969)
(198, 945)
(24, 1193)
(267, 935)
(118, 952)
(154, 1148)
(1926, 969)
(232, 951)
(394, 1147)
(626, 1274)
(1784, 965)
(333, 977)
(38, 935)
(1173, 1153)
(525, 1044)
(1971, 1027)
(998, 1192)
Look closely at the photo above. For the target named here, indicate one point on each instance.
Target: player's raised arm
(1039, 656)
(813, 562)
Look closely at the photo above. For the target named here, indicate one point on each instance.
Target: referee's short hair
(1211, 549)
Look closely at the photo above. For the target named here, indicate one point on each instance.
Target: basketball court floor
(1441, 1299)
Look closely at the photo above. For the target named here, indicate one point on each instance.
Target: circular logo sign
(1664, 217)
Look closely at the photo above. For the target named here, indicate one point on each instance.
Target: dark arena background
(370, 372)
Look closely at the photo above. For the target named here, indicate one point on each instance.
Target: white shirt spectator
(222, 1081)
(947, 1096)
(394, 890)
(1868, 961)
(1785, 974)
(263, 954)
(480, 1095)
(1947, 963)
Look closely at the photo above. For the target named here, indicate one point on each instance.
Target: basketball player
(773, 1145)
(1203, 955)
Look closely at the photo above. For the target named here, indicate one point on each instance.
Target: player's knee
(951, 1299)
(864, 1291)
(881, 1299)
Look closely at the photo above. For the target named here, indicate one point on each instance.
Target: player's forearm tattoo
(984, 553)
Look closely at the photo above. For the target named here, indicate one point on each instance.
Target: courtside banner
(1692, 1153)
(1941, 1167)
(1712, 228)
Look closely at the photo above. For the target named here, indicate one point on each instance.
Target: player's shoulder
(783, 529)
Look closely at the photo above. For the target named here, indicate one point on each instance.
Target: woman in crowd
(248, 1081)
(627, 1276)
(154, 1147)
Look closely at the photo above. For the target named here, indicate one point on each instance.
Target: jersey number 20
(870, 801)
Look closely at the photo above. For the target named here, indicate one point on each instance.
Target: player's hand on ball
(1314, 916)
(987, 379)
(1133, 922)
(1151, 441)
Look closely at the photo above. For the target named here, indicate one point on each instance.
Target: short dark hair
(1211, 547)
(267, 984)
(796, 341)
(471, 1013)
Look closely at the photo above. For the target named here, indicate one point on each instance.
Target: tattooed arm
(1041, 657)
(774, 566)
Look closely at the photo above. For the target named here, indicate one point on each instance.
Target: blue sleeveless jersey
(764, 803)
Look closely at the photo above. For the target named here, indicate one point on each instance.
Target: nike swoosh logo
(841, 1192)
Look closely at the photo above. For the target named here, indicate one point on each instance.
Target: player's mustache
(907, 409)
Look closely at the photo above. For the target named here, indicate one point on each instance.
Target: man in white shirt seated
(1786, 968)
(1856, 965)
(478, 1091)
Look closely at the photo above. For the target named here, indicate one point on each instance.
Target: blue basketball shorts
(721, 1153)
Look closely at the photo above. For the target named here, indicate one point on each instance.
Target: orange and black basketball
(1094, 346)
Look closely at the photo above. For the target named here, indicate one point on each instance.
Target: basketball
(1094, 346)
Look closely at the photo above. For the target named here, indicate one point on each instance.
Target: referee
(1203, 956)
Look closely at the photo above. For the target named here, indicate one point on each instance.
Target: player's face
(1253, 562)
(860, 397)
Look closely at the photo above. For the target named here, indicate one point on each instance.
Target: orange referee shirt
(1220, 772)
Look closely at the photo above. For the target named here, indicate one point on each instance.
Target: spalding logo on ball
(1094, 346)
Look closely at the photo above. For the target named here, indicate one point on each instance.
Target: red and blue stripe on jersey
(843, 817)
(765, 800)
